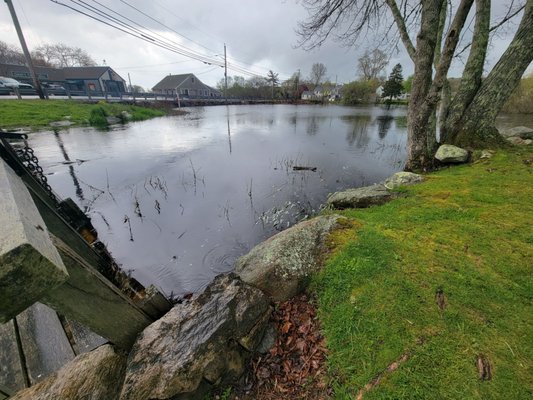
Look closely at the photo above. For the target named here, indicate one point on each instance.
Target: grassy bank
(37, 114)
(428, 286)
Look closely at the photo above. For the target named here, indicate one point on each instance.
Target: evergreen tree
(393, 87)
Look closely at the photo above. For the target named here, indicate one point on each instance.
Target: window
(192, 79)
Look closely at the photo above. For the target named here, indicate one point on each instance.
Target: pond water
(178, 199)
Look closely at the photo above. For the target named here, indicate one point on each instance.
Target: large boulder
(402, 179)
(361, 197)
(90, 376)
(281, 265)
(198, 343)
(523, 132)
(449, 154)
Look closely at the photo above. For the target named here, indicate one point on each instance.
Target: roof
(61, 74)
(53, 74)
(171, 82)
(85, 72)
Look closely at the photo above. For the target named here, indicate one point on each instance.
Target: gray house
(185, 86)
(92, 79)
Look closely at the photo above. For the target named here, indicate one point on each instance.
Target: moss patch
(465, 232)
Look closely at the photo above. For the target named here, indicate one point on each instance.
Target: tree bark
(477, 125)
(417, 126)
(471, 79)
(400, 24)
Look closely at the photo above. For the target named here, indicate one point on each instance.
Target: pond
(178, 199)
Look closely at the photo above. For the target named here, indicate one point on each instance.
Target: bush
(359, 92)
(98, 117)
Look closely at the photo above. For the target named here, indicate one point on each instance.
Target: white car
(8, 82)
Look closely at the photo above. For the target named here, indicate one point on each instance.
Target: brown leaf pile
(295, 367)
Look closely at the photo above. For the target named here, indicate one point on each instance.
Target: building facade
(185, 86)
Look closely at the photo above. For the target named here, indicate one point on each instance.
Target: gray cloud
(260, 35)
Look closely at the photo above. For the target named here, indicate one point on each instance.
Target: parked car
(54, 89)
(6, 82)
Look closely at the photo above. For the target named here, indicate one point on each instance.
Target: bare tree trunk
(417, 125)
(471, 79)
(478, 121)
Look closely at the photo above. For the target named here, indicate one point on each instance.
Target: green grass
(467, 230)
(37, 114)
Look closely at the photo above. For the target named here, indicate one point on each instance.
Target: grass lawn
(37, 114)
(466, 232)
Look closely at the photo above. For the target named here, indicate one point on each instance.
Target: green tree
(408, 84)
(359, 92)
(393, 87)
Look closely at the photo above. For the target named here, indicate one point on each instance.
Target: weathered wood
(85, 340)
(29, 263)
(93, 301)
(11, 369)
(44, 342)
(5, 392)
(154, 303)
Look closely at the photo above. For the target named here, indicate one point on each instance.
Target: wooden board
(44, 342)
(85, 340)
(11, 372)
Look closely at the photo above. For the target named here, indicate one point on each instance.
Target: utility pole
(36, 82)
(225, 75)
(131, 88)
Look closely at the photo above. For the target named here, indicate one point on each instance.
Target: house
(22, 74)
(308, 95)
(185, 86)
(93, 79)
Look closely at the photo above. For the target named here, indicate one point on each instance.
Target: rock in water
(402, 179)
(449, 154)
(197, 342)
(281, 265)
(361, 197)
(92, 376)
(523, 132)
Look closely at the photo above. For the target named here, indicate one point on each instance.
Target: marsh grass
(468, 232)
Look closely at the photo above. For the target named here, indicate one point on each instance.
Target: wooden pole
(27, 55)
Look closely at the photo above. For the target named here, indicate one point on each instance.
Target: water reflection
(384, 124)
(179, 199)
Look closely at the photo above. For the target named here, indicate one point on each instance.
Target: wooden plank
(11, 369)
(29, 262)
(91, 300)
(44, 342)
(85, 340)
(87, 296)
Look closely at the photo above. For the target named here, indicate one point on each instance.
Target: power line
(140, 32)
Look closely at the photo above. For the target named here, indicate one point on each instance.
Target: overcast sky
(259, 34)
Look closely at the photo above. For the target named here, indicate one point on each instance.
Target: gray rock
(402, 179)
(59, 124)
(519, 141)
(281, 265)
(268, 341)
(126, 115)
(361, 197)
(91, 376)
(113, 120)
(451, 154)
(486, 154)
(197, 342)
(522, 132)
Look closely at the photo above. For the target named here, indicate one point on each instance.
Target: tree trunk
(426, 41)
(478, 121)
(471, 79)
